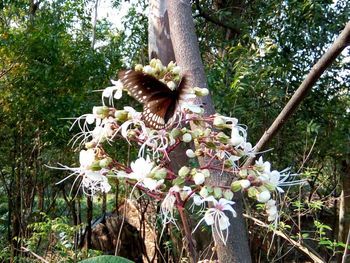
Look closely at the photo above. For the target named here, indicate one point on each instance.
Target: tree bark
(159, 42)
(188, 56)
(89, 220)
(344, 207)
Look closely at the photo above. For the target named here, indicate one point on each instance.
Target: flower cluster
(220, 141)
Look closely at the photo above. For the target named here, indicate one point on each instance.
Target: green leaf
(107, 259)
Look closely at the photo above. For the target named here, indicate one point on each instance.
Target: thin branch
(215, 20)
(5, 71)
(304, 249)
(35, 255)
(326, 60)
(94, 26)
(345, 254)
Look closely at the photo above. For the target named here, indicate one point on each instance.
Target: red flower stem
(188, 234)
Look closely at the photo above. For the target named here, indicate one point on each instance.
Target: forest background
(53, 57)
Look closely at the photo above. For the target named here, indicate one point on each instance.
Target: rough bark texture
(159, 42)
(325, 61)
(344, 207)
(188, 57)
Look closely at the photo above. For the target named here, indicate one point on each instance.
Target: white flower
(95, 182)
(176, 70)
(187, 137)
(141, 172)
(236, 138)
(198, 178)
(152, 184)
(190, 153)
(141, 169)
(157, 141)
(216, 218)
(274, 180)
(264, 196)
(171, 84)
(190, 106)
(148, 70)
(86, 158)
(264, 167)
(117, 89)
(271, 210)
(168, 206)
(244, 183)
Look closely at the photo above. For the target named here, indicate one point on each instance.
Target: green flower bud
(193, 171)
(217, 192)
(160, 173)
(184, 171)
(197, 133)
(176, 70)
(222, 137)
(204, 192)
(171, 65)
(90, 145)
(138, 67)
(228, 163)
(121, 115)
(201, 92)
(206, 132)
(104, 163)
(206, 173)
(219, 122)
(187, 137)
(252, 192)
(175, 133)
(210, 189)
(243, 173)
(95, 166)
(236, 186)
(228, 194)
(270, 187)
(154, 62)
(179, 181)
(102, 111)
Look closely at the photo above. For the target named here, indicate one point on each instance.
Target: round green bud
(175, 133)
(160, 173)
(236, 186)
(228, 194)
(206, 173)
(121, 115)
(219, 122)
(95, 166)
(104, 163)
(138, 67)
(200, 92)
(184, 171)
(204, 192)
(187, 137)
(252, 192)
(217, 192)
(222, 137)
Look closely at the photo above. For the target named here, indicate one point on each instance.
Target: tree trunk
(344, 207)
(159, 42)
(188, 57)
(89, 220)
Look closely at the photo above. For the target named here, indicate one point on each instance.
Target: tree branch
(307, 251)
(215, 20)
(326, 60)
